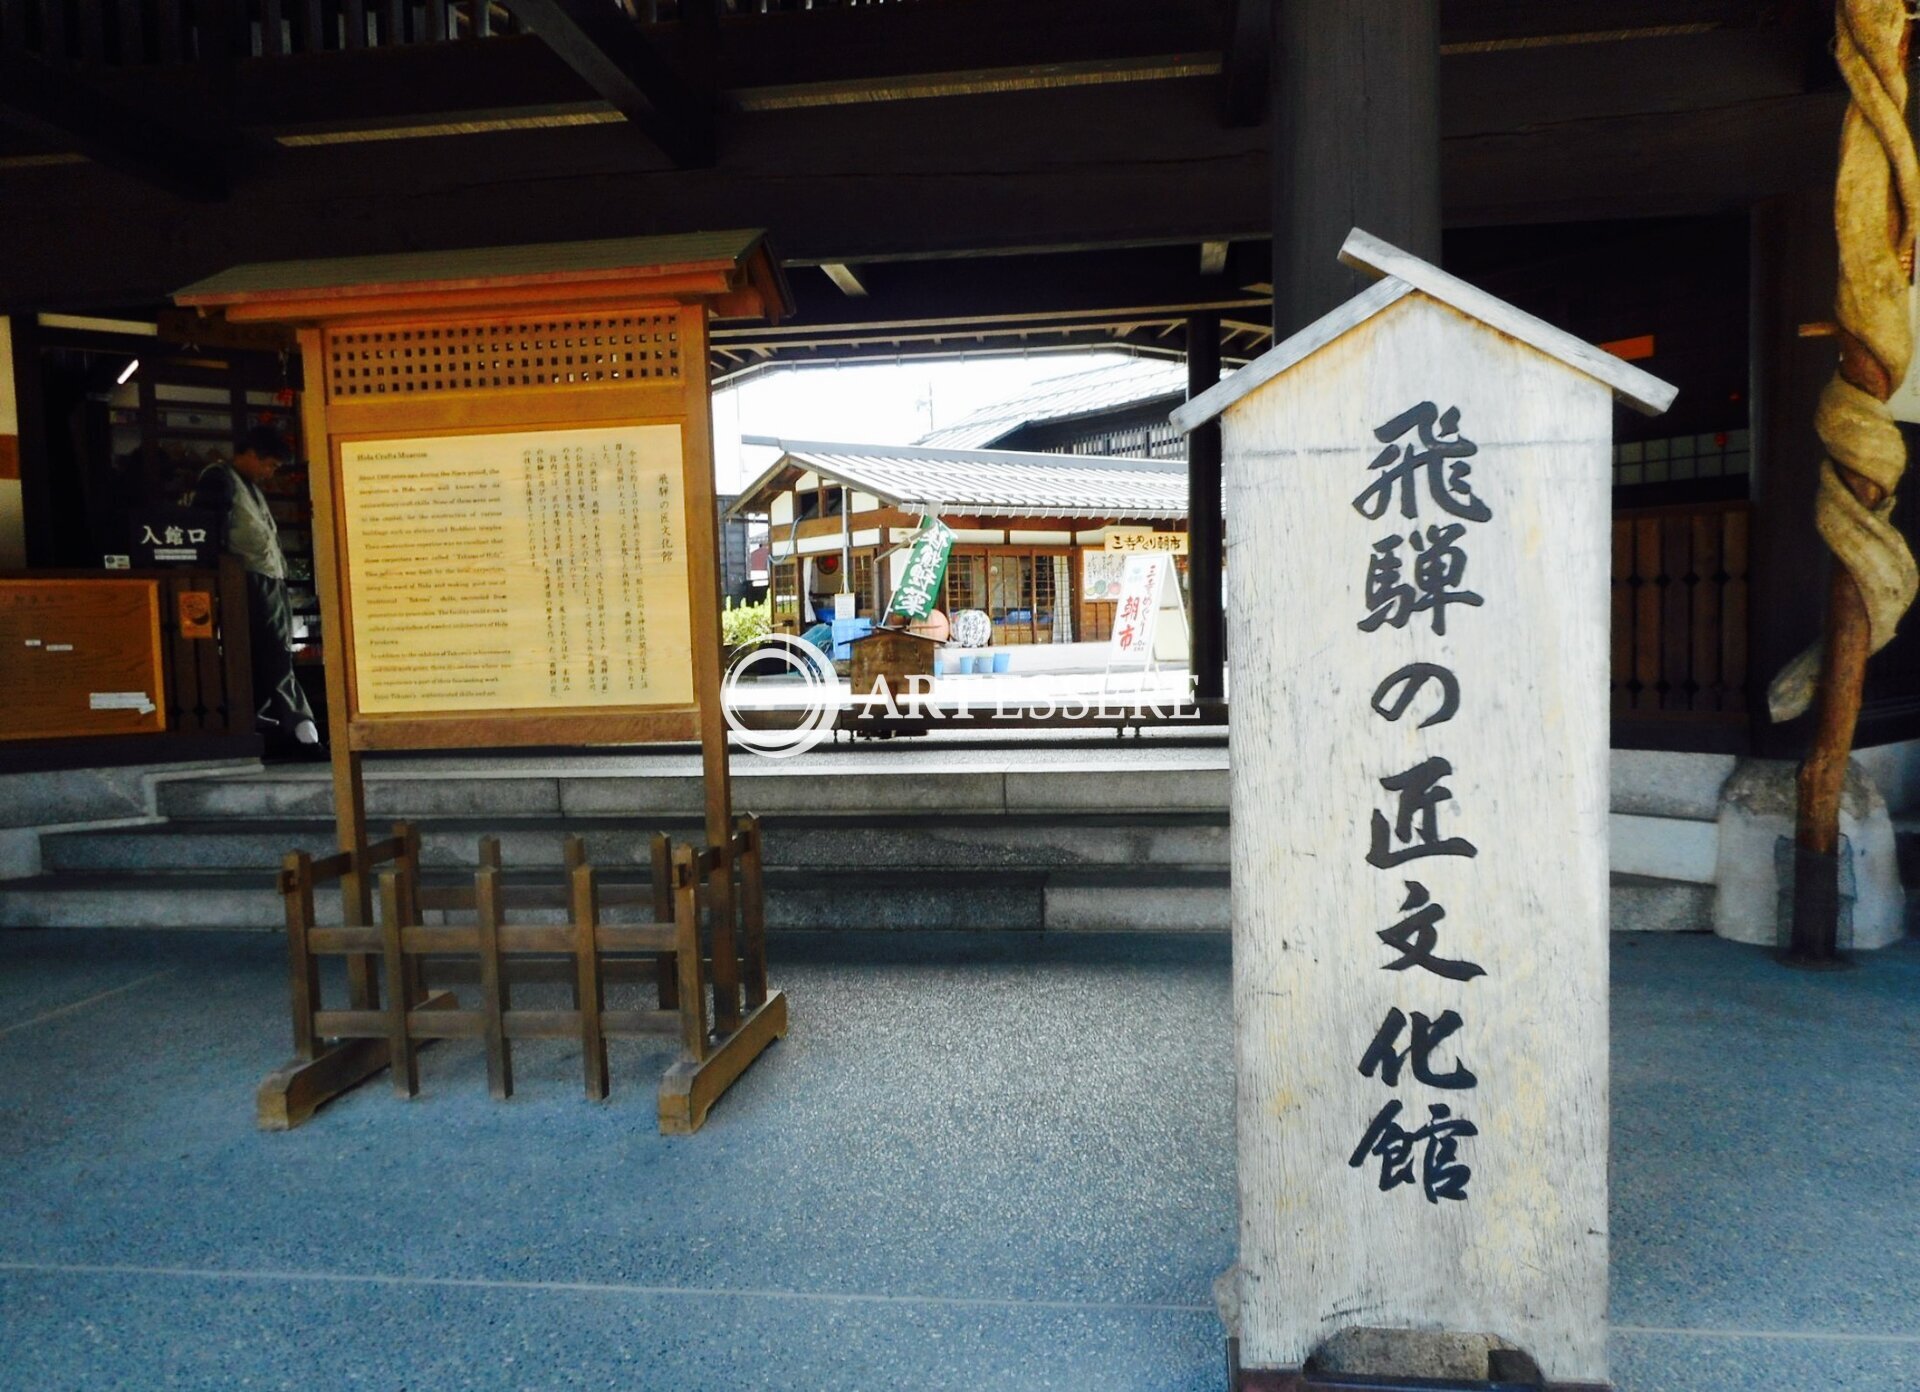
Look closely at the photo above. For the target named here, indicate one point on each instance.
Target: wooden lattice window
(786, 595)
(862, 581)
(966, 585)
(584, 352)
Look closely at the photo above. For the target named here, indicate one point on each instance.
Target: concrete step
(1643, 904)
(1057, 899)
(1018, 899)
(638, 789)
(975, 844)
(919, 839)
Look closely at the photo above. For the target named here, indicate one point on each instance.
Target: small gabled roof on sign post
(1401, 274)
(732, 270)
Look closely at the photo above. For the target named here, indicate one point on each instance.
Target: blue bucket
(1002, 661)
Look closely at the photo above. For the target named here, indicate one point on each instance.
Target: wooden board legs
(292, 1094)
(690, 1089)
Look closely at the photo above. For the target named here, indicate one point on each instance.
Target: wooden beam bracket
(613, 56)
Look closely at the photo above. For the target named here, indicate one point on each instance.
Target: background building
(1029, 529)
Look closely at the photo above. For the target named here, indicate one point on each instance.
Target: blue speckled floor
(979, 1161)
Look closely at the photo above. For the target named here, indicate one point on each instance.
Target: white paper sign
(1149, 621)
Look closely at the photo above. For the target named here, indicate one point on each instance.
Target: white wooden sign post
(1419, 487)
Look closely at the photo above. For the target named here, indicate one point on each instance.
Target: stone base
(1757, 806)
(1503, 1379)
(1394, 1360)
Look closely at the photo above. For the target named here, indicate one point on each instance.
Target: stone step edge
(639, 822)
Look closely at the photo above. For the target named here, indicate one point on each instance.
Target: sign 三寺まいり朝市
(1129, 541)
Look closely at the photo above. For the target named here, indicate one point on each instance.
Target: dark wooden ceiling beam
(1474, 22)
(850, 43)
(1532, 89)
(1245, 62)
(520, 77)
(70, 113)
(1723, 159)
(1122, 165)
(623, 67)
(957, 294)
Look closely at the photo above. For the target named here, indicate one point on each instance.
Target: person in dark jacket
(233, 490)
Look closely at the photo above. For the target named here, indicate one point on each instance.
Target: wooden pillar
(1204, 555)
(703, 578)
(13, 523)
(349, 786)
(1356, 106)
(36, 464)
(1792, 269)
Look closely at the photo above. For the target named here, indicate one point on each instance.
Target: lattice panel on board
(585, 352)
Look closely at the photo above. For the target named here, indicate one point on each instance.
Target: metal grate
(493, 357)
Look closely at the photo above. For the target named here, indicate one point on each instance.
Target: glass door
(1011, 597)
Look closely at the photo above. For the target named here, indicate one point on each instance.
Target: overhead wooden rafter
(611, 54)
(846, 278)
(62, 108)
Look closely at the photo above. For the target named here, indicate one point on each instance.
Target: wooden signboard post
(1419, 804)
(515, 536)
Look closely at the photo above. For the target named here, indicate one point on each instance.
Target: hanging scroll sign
(924, 571)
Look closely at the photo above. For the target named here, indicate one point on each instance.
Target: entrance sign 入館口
(523, 571)
(1419, 803)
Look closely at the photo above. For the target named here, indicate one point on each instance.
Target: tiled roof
(993, 482)
(1108, 387)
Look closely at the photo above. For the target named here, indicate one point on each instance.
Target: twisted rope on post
(1876, 200)
(1876, 197)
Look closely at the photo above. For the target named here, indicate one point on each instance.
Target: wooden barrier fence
(335, 1049)
(1680, 611)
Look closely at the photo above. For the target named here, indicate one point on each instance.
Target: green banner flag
(926, 568)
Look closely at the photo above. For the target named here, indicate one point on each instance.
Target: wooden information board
(536, 570)
(80, 657)
(516, 544)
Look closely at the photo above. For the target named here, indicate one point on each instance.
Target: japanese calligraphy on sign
(1421, 472)
(160, 536)
(1146, 586)
(926, 567)
(1129, 541)
(525, 571)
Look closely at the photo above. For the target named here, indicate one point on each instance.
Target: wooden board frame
(329, 424)
(454, 415)
(674, 391)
